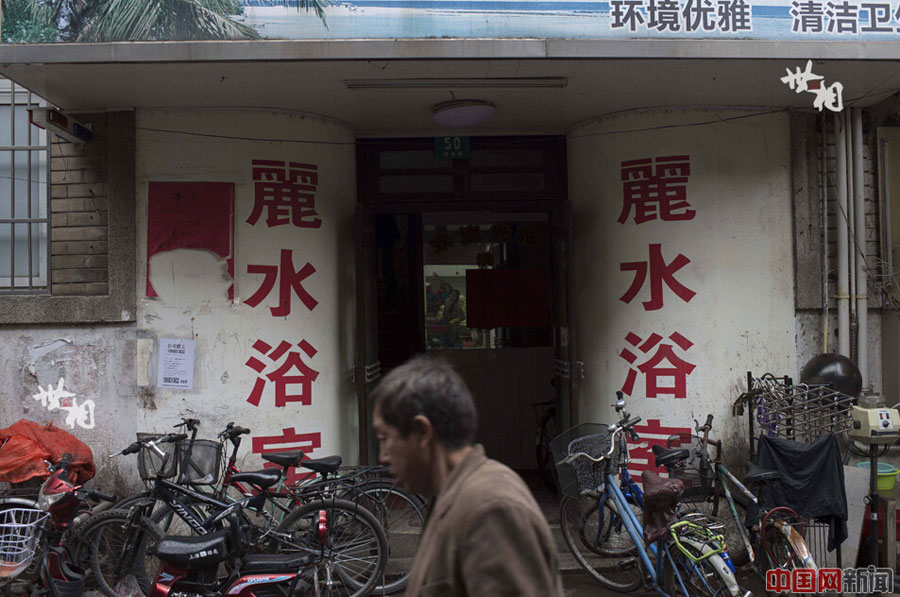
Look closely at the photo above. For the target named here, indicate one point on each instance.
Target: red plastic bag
(25, 445)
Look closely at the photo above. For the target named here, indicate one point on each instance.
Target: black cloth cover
(813, 481)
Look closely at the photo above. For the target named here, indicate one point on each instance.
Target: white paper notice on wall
(176, 364)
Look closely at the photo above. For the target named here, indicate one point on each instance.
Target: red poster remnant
(656, 189)
(288, 441)
(191, 215)
(294, 360)
(655, 367)
(506, 298)
(659, 272)
(286, 191)
(641, 453)
(290, 282)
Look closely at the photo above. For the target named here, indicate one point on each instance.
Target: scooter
(190, 566)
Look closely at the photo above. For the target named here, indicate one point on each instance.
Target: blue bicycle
(600, 523)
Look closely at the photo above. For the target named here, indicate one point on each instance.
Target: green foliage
(27, 21)
(118, 20)
(130, 20)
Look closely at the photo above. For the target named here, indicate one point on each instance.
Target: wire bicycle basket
(149, 462)
(583, 475)
(695, 472)
(19, 531)
(201, 462)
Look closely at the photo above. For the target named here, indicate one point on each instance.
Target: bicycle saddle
(329, 464)
(291, 458)
(267, 477)
(193, 553)
(668, 456)
(271, 563)
(757, 474)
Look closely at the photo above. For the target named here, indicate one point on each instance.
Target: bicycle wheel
(402, 516)
(117, 553)
(718, 507)
(600, 543)
(347, 540)
(709, 577)
(783, 542)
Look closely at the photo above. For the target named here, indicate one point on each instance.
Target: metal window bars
(799, 412)
(25, 229)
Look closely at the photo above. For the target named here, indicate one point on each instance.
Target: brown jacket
(486, 537)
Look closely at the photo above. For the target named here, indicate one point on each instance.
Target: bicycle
(690, 557)
(37, 553)
(191, 505)
(774, 536)
(401, 515)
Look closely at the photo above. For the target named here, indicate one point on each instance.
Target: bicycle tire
(354, 549)
(101, 542)
(710, 577)
(402, 516)
(718, 507)
(781, 550)
(613, 561)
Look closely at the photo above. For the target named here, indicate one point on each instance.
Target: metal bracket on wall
(371, 372)
(568, 370)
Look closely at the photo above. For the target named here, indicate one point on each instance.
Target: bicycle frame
(635, 532)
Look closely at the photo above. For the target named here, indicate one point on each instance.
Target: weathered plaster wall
(97, 365)
(193, 284)
(739, 247)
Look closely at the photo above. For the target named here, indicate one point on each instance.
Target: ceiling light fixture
(462, 113)
(460, 83)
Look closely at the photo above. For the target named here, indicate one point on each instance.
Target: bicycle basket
(18, 538)
(696, 474)
(203, 464)
(149, 461)
(582, 475)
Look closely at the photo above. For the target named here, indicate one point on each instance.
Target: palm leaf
(110, 20)
(317, 5)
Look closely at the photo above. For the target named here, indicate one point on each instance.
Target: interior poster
(191, 215)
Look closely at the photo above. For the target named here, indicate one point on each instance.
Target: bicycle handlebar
(191, 424)
(135, 447)
(626, 426)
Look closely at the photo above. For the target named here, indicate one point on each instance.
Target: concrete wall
(739, 250)
(193, 285)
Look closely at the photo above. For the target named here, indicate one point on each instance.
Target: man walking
(485, 534)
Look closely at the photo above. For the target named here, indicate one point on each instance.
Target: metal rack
(800, 412)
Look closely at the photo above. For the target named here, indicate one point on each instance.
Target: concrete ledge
(372, 49)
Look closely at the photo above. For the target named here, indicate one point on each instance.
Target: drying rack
(800, 412)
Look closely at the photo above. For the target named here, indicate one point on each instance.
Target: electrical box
(875, 425)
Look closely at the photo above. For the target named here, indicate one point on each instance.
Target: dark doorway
(468, 261)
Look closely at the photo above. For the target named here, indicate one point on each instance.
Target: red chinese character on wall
(662, 364)
(656, 189)
(287, 193)
(304, 377)
(290, 281)
(659, 273)
(652, 433)
(288, 441)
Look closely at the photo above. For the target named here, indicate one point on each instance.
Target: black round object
(836, 370)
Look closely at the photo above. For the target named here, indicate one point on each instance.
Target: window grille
(24, 194)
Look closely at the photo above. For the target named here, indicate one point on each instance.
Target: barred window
(24, 194)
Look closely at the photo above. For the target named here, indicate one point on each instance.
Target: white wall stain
(35, 353)
(60, 399)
